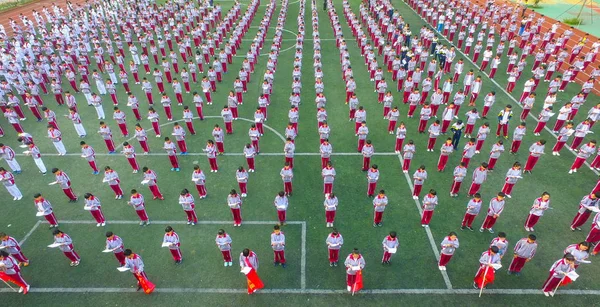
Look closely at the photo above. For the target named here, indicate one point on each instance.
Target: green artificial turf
(414, 267)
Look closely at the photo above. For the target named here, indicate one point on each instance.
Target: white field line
(501, 88)
(303, 258)
(132, 222)
(434, 245)
(226, 154)
(37, 224)
(312, 291)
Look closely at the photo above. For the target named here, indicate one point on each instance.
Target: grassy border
(5, 7)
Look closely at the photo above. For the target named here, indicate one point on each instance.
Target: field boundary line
(432, 242)
(312, 291)
(133, 222)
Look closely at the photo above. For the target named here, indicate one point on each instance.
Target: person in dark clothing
(457, 129)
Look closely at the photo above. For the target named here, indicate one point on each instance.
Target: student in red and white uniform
(486, 262)
(140, 135)
(512, 176)
(135, 263)
(281, 204)
(199, 180)
(223, 241)
(459, 174)
(419, 178)
(479, 177)
(354, 264)
(211, 154)
(8, 154)
(580, 251)
(468, 151)
(171, 240)
(171, 150)
(379, 203)
(496, 207)
(449, 246)
(536, 150)
(278, 245)
(328, 173)
(8, 180)
(115, 244)
(186, 200)
(12, 272)
(540, 205)
(390, 246)
(129, 152)
(430, 201)
(287, 175)
(56, 136)
(120, 118)
(234, 201)
(330, 204)
(92, 204)
(62, 179)
(562, 138)
(241, 177)
(112, 178)
(372, 178)
(584, 152)
(587, 205)
(558, 271)
(445, 151)
(334, 243)
(524, 251)
(66, 246)
(106, 134)
(367, 151)
(11, 246)
(151, 178)
(88, 153)
(154, 118)
(495, 152)
(137, 202)
(473, 208)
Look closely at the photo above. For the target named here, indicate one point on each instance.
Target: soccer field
(412, 278)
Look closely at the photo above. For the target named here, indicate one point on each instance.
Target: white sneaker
(575, 171)
(476, 151)
(349, 288)
(20, 197)
(441, 268)
(406, 172)
(103, 224)
(547, 293)
(415, 197)
(98, 225)
(14, 198)
(225, 264)
(570, 171)
(508, 195)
